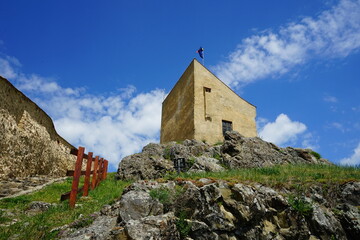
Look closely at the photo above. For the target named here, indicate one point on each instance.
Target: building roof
(213, 75)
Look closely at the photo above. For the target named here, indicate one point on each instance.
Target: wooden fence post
(105, 169)
(77, 174)
(87, 174)
(94, 177)
(100, 171)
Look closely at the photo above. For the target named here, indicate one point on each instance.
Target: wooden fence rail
(98, 173)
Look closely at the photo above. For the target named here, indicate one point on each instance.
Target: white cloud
(353, 159)
(334, 33)
(112, 125)
(8, 67)
(330, 99)
(282, 131)
(338, 126)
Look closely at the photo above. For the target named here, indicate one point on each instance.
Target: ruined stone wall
(177, 119)
(219, 103)
(29, 143)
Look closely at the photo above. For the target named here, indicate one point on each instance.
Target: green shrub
(300, 205)
(298, 202)
(182, 225)
(316, 155)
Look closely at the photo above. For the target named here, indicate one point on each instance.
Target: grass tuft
(282, 175)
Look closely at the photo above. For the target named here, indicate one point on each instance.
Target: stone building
(202, 107)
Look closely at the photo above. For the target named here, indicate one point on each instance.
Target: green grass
(166, 195)
(40, 225)
(282, 175)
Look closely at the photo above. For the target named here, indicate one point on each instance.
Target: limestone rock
(146, 165)
(138, 204)
(156, 160)
(153, 227)
(242, 152)
(206, 164)
(351, 193)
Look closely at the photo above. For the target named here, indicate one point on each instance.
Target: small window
(226, 126)
(207, 89)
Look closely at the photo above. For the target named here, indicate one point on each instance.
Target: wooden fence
(98, 173)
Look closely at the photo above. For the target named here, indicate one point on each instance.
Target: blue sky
(102, 69)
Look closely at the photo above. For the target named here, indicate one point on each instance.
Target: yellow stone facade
(200, 105)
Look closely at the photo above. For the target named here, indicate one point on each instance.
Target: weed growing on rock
(182, 225)
(217, 156)
(299, 203)
(167, 153)
(316, 155)
(167, 196)
(162, 194)
(190, 162)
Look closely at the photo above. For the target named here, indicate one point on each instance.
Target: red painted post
(94, 177)
(87, 174)
(105, 169)
(100, 171)
(76, 178)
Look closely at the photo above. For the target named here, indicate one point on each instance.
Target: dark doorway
(226, 126)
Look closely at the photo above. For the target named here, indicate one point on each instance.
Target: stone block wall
(199, 103)
(29, 143)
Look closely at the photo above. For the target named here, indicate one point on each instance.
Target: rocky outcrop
(240, 152)
(237, 151)
(208, 209)
(29, 144)
(156, 160)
